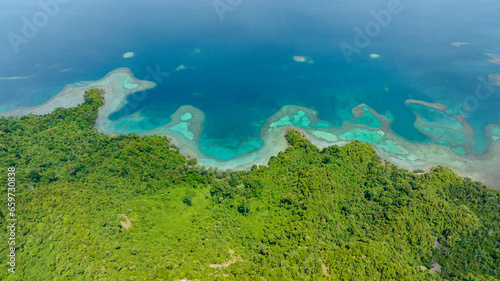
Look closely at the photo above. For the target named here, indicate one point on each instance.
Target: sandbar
(303, 59)
(128, 55)
(458, 44)
(495, 78)
(494, 59)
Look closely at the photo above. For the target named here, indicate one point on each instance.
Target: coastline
(72, 95)
(187, 123)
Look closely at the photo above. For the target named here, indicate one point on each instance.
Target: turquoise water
(240, 70)
(368, 119)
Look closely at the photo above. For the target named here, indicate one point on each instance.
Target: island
(122, 207)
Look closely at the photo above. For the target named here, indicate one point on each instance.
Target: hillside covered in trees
(97, 207)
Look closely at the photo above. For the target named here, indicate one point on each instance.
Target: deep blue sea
(239, 66)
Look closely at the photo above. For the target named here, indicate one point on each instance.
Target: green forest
(95, 207)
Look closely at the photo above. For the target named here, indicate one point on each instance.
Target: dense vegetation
(331, 214)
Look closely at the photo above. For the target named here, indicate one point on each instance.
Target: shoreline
(187, 124)
(72, 95)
